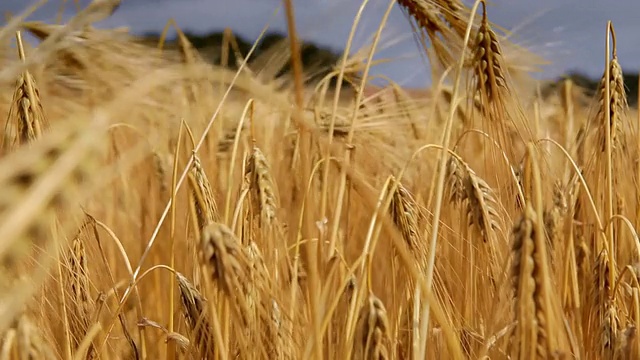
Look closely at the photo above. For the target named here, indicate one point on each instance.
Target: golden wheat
(322, 250)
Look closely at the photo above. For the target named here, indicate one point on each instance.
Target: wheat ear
(202, 195)
(258, 176)
(372, 340)
(196, 316)
(26, 112)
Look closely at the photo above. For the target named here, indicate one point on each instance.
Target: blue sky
(568, 33)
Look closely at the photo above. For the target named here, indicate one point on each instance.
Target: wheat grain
(605, 310)
(196, 316)
(26, 115)
(202, 195)
(457, 192)
(81, 300)
(481, 202)
(372, 337)
(258, 176)
(244, 281)
(431, 19)
(533, 314)
(618, 106)
(488, 62)
(404, 212)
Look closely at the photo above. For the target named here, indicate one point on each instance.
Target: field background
(199, 199)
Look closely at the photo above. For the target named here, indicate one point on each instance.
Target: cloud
(570, 33)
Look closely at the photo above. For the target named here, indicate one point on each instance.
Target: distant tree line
(319, 59)
(591, 85)
(322, 59)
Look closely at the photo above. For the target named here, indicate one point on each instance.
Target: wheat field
(157, 206)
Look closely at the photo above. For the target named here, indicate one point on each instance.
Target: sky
(569, 34)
